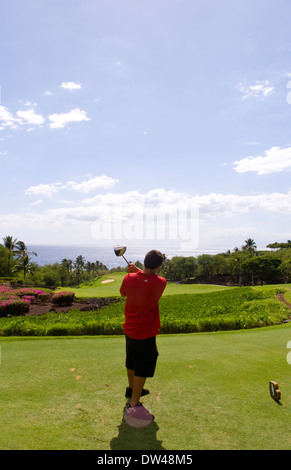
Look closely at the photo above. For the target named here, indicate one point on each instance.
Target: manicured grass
(173, 288)
(100, 289)
(287, 296)
(280, 286)
(210, 391)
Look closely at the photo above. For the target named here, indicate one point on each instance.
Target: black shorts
(141, 356)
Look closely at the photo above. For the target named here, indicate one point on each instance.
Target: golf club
(119, 250)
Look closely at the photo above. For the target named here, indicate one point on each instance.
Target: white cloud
(23, 118)
(71, 86)
(211, 206)
(99, 182)
(30, 117)
(258, 90)
(7, 119)
(275, 160)
(228, 216)
(36, 203)
(5, 115)
(29, 103)
(59, 121)
(44, 189)
(216, 205)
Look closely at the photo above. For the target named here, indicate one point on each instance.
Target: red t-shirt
(142, 292)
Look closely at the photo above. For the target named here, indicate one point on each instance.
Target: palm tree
(22, 249)
(23, 264)
(10, 245)
(66, 271)
(250, 245)
(79, 266)
(23, 260)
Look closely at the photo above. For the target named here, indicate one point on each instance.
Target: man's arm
(131, 269)
(122, 289)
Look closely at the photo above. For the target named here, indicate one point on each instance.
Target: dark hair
(153, 259)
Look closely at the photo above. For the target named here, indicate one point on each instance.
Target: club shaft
(125, 259)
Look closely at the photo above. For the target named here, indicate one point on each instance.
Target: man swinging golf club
(143, 290)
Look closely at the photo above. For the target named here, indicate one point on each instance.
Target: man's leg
(130, 375)
(138, 383)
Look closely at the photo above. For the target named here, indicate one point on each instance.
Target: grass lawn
(288, 296)
(210, 391)
(100, 288)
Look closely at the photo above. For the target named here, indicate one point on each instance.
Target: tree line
(241, 266)
(17, 265)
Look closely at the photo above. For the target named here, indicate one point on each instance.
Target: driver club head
(119, 250)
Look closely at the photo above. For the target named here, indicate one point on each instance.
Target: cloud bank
(275, 160)
(96, 183)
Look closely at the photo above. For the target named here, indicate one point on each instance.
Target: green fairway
(99, 288)
(210, 391)
(109, 285)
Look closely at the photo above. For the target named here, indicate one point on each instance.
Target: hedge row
(16, 302)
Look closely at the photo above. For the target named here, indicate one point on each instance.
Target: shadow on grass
(136, 439)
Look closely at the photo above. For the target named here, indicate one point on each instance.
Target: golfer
(143, 290)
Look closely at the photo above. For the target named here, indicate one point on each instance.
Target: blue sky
(133, 112)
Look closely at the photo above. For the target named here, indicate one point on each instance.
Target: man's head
(153, 259)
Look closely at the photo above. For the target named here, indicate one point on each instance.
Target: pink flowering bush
(18, 301)
(4, 290)
(30, 298)
(28, 291)
(44, 297)
(13, 307)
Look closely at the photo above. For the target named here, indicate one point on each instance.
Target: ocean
(50, 254)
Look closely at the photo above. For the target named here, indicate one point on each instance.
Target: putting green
(105, 287)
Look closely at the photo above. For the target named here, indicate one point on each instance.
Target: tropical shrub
(30, 298)
(63, 298)
(44, 297)
(13, 307)
(27, 291)
(17, 301)
(231, 309)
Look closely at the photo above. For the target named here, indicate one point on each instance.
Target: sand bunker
(107, 280)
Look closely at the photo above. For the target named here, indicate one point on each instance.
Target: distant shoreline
(50, 254)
